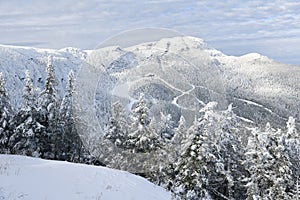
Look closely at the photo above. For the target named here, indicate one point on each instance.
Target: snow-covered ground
(37, 179)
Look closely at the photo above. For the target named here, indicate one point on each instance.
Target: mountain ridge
(251, 77)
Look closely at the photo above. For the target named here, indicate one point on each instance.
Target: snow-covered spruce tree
(181, 137)
(29, 136)
(48, 110)
(166, 126)
(295, 194)
(70, 147)
(48, 97)
(291, 128)
(199, 168)
(219, 179)
(142, 138)
(231, 154)
(28, 93)
(281, 172)
(292, 143)
(5, 117)
(257, 183)
(174, 150)
(268, 166)
(115, 152)
(191, 180)
(117, 130)
(143, 153)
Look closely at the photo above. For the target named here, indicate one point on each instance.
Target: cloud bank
(235, 27)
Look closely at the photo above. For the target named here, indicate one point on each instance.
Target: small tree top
(2, 88)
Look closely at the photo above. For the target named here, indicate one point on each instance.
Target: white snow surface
(36, 179)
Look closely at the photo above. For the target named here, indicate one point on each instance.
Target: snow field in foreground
(37, 179)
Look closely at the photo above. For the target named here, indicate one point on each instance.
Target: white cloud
(56, 24)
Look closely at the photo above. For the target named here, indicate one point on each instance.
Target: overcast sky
(236, 27)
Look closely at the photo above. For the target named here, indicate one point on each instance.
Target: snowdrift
(36, 179)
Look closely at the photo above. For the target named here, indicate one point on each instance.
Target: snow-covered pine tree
(70, 146)
(291, 128)
(5, 117)
(28, 94)
(66, 105)
(117, 130)
(142, 138)
(48, 110)
(194, 167)
(231, 153)
(181, 137)
(199, 169)
(256, 167)
(292, 144)
(268, 166)
(167, 126)
(295, 194)
(174, 150)
(141, 112)
(280, 171)
(29, 135)
(48, 97)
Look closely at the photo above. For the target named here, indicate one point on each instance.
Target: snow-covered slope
(177, 73)
(14, 61)
(36, 179)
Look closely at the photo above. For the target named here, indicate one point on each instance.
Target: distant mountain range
(177, 75)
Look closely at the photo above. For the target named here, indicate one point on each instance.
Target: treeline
(44, 125)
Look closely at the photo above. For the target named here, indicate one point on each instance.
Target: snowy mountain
(34, 179)
(176, 74)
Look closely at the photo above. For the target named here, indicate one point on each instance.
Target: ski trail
(261, 106)
(175, 99)
(255, 104)
(245, 119)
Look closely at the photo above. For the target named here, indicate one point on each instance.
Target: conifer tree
(295, 194)
(199, 168)
(48, 111)
(181, 137)
(28, 94)
(117, 131)
(5, 117)
(29, 136)
(66, 107)
(255, 166)
(292, 144)
(281, 172)
(47, 101)
(268, 166)
(142, 138)
(230, 151)
(291, 128)
(193, 168)
(68, 143)
(166, 131)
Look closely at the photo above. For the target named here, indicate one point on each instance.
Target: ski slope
(37, 179)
